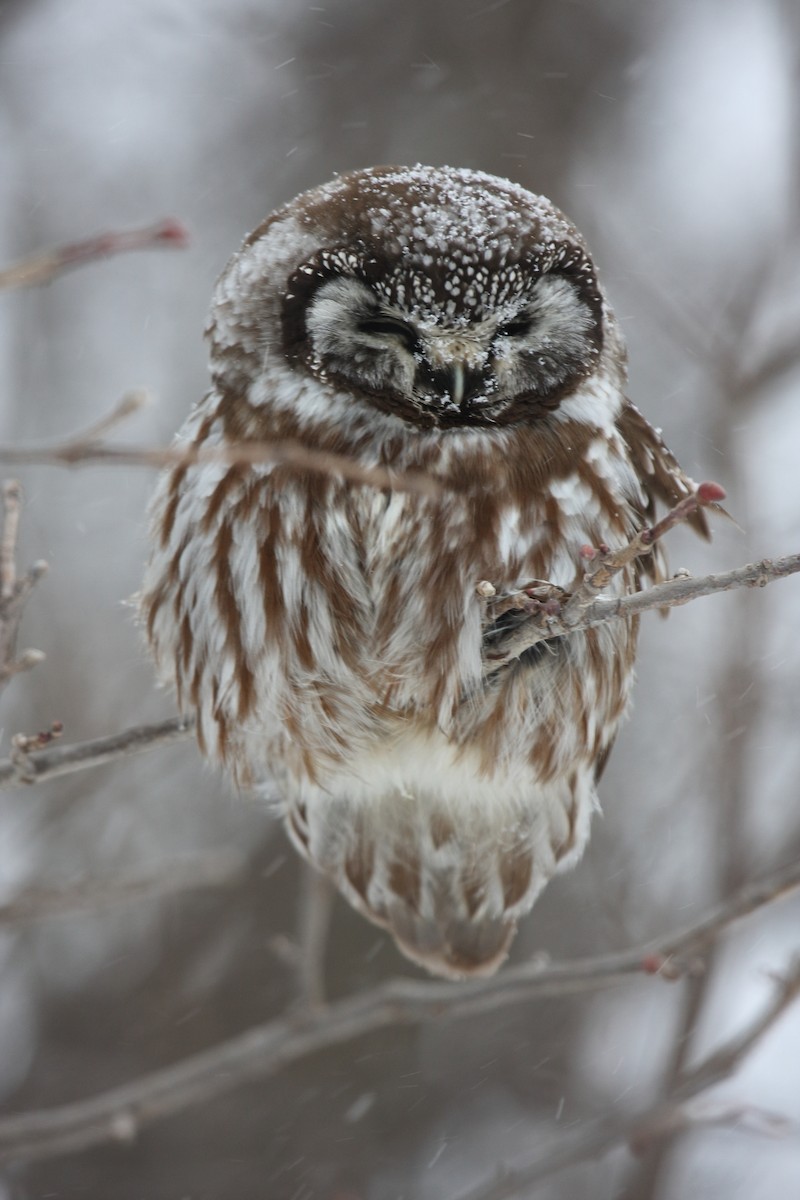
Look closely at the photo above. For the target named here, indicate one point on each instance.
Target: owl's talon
(545, 592)
(534, 598)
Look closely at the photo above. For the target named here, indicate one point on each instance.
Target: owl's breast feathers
(303, 616)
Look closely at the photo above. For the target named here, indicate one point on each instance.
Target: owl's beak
(457, 376)
(456, 386)
(457, 369)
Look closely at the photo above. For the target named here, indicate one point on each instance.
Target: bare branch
(316, 907)
(304, 954)
(43, 267)
(283, 452)
(84, 449)
(662, 1120)
(747, 1118)
(36, 766)
(119, 1114)
(182, 875)
(744, 901)
(14, 589)
(723, 1062)
(12, 502)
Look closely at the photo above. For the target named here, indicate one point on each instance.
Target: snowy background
(669, 132)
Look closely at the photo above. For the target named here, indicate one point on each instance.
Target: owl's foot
(536, 603)
(531, 598)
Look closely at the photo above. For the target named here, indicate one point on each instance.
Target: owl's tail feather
(456, 948)
(450, 902)
(436, 913)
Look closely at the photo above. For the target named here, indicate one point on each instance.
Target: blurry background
(669, 133)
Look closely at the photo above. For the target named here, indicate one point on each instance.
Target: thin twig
(181, 875)
(283, 451)
(85, 448)
(119, 1114)
(44, 267)
(304, 954)
(606, 563)
(664, 1119)
(726, 1059)
(39, 765)
(14, 589)
(316, 906)
(130, 403)
(12, 503)
(743, 1118)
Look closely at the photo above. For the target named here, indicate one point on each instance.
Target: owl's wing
(661, 477)
(660, 474)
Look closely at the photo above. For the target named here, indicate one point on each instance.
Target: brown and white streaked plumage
(330, 634)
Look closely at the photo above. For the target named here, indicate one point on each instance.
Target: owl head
(441, 297)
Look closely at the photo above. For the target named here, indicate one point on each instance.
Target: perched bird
(332, 635)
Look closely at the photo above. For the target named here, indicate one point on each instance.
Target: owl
(331, 636)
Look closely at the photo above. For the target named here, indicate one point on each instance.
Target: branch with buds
(46, 266)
